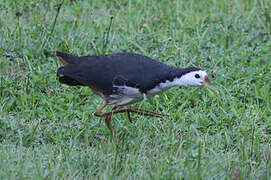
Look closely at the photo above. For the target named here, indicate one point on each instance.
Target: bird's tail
(66, 58)
(66, 79)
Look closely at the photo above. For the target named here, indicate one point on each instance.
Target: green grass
(48, 131)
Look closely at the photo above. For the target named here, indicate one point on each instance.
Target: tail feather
(60, 71)
(66, 79)
(69, 81)
(69, 61)
(66, 58)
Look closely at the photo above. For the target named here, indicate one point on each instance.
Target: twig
(54, 23)
(57, 13)
(107, 33)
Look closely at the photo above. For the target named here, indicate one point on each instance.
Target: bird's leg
(136, 110)
(142, 110)
(98, 112)
(109, 125)
(128, 110)
(107, 120)
(109, 114)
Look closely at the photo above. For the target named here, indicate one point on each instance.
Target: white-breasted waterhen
(125, 78)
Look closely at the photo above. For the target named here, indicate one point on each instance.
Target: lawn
(48, 130)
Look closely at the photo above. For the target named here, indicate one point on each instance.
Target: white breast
(125, 95)
(129, 95)
(162, 87)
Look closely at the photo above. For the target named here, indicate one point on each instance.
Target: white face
(194, 78)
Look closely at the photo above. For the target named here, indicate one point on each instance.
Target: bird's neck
(177, 81)
(174, 78)
(179, 77)
(181, 81)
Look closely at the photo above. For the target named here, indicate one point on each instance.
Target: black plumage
(121, 69)
(125, 78)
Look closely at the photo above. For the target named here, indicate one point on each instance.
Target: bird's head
(196, 78)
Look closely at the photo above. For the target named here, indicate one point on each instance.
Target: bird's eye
(197, 76)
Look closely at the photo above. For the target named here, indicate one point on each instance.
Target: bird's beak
(210, 84)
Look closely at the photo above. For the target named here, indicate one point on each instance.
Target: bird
(125, 78)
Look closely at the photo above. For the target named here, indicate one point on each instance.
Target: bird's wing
(105, 71)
